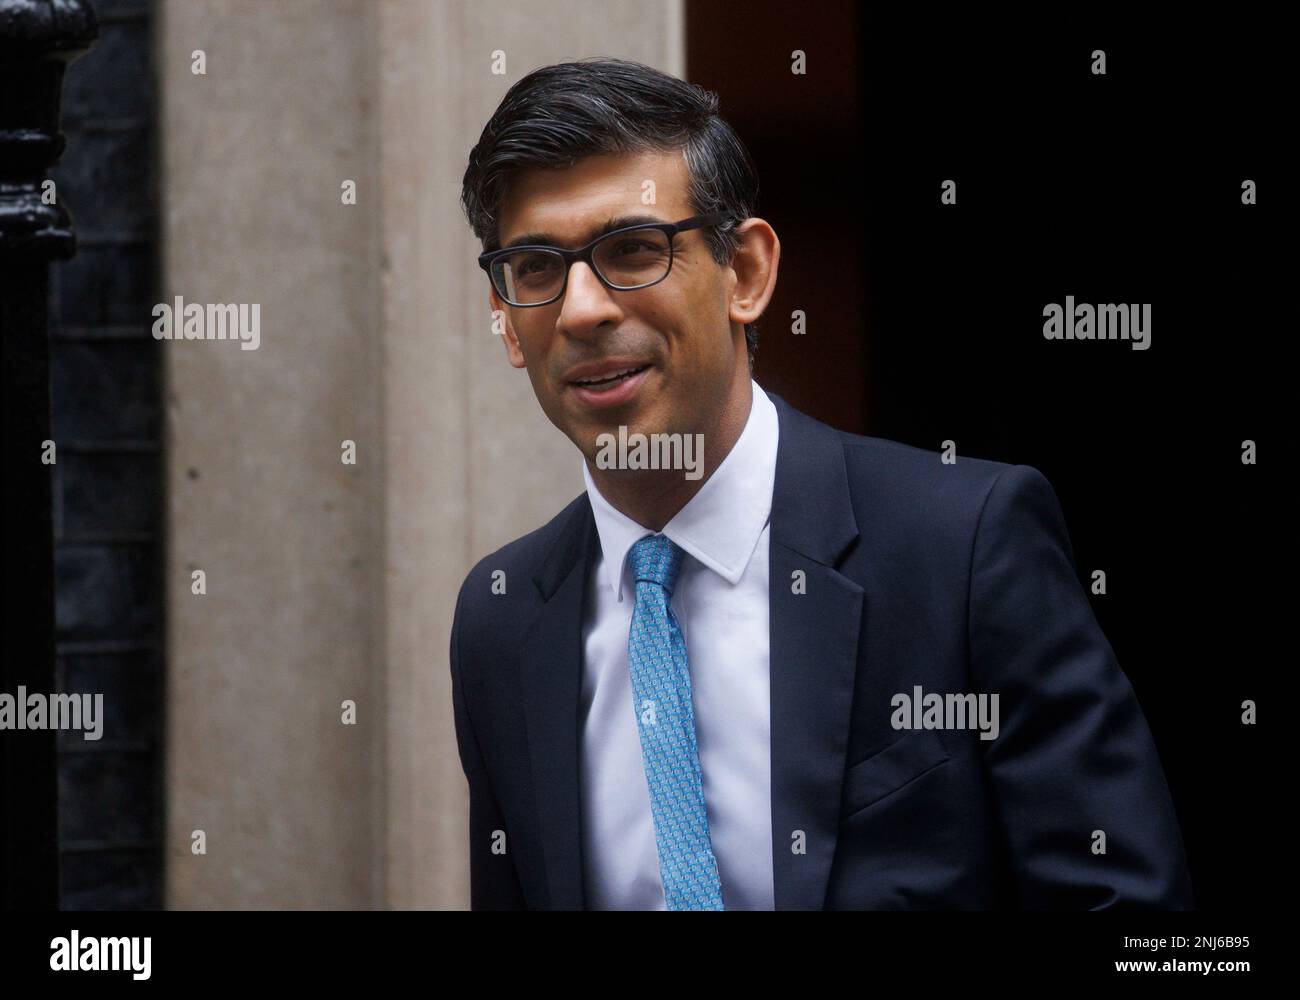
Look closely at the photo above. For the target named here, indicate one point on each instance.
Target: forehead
(567, 202)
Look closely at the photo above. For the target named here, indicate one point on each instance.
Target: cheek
(532, 346)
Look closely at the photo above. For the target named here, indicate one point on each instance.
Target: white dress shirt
(721, 604)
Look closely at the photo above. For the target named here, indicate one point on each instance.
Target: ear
(754, 264)
(500, 314)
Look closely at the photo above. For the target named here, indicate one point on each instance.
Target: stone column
(328, 581)
(266, 110)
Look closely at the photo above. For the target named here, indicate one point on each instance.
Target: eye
(527, 264)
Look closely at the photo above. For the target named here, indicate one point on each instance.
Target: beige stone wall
(328, 581)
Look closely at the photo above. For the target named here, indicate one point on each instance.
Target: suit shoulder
(876, 458)
(903, 477)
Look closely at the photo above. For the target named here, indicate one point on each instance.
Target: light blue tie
(661, 693)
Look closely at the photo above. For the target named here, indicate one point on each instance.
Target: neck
(652, 497)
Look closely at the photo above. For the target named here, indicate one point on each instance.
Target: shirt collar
(720, 525)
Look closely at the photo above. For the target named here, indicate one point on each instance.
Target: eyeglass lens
(625, 260)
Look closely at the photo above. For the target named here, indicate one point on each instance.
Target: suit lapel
(552, 685)
(813, 651)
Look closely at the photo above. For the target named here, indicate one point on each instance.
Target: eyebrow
(549, 239)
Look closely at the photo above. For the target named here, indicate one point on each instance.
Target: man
(797, 668)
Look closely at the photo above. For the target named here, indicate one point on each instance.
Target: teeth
(609, 378)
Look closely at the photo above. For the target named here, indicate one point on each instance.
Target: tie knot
(656, 559)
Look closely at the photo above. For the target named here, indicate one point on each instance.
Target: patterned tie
(661, 692)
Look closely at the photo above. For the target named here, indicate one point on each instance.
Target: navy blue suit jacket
(957, 578)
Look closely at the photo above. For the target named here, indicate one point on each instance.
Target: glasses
(624, 259)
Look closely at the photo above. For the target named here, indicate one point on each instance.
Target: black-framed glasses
(623, 259)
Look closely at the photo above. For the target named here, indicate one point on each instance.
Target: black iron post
(38, 38)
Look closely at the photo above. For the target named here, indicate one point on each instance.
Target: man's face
(678, 331)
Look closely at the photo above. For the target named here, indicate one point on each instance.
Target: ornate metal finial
(38, 38)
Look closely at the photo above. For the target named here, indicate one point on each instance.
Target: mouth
(604, 381)
(611, 386)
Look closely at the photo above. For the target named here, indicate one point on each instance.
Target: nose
(587, 303)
